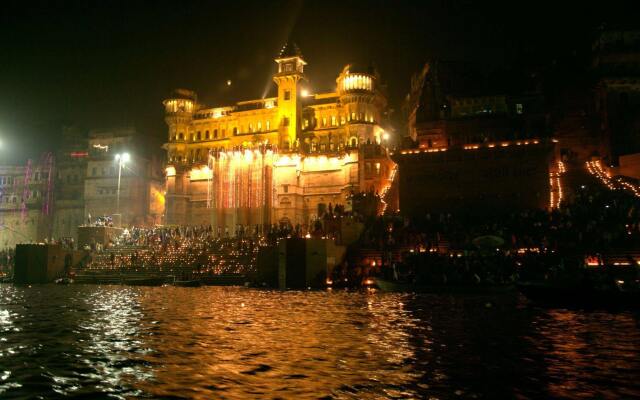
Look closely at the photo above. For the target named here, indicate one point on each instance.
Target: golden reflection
(578, 344)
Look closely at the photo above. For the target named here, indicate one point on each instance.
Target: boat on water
(152, 281)
(410, 287)
(581, 295)
(192, 283)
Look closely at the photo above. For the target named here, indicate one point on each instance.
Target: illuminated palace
(282, 159)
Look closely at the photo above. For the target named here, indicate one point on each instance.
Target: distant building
(475, 144)
(141, 192)
(452, 104)
(281, 159)
(616, 64)
(71, 169)
(26, 200)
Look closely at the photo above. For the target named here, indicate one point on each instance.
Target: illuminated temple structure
(282, 159)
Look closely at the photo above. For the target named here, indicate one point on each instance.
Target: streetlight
(122, 159)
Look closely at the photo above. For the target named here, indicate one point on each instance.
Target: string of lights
(596, 169)
(555, 194)
(385, 190)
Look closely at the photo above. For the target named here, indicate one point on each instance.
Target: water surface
(234, 343)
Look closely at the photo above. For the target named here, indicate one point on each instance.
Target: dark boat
(154, 281)
(395, 286)
(546, 293)
(194, 283)
(224, 280)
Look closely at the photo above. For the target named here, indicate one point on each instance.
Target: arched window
(206, 135)
(259, 126)
(198, 136)
(181, 136)
(354, 142)
(215, 133)
(235, 130)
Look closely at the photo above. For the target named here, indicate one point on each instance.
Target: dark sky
(102, 64)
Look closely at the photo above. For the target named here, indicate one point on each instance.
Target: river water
(90, 341)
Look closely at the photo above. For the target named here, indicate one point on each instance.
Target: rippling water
(168, 342)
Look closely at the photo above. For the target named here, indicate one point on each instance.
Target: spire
(290, 49)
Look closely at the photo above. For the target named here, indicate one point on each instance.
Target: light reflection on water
(83, 340)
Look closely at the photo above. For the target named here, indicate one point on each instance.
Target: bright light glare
(385, 136)
(123, 158)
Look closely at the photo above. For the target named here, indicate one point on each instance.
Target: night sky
(101, 64)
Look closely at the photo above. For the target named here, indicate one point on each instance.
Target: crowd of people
(500, 248)
(441, 248)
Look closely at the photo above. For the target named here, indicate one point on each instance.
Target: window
(342, 120)
(198, 136)
(285, 121)
(324, 121)
(288, 67)
(259, 126)
(333, 120)
(268, 123)
(354, 142)
(224, 132)
(235, 130)
(518, 108)
(206, 135)
(287, 95)
(251, 127)
(181, 136)
(94, 171)
(215, 133)
(285, 188)
(353, 116)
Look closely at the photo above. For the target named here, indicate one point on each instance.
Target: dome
(355, 68)
(183, 94)
(290, 49)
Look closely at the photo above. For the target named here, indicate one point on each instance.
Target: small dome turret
(181, 101)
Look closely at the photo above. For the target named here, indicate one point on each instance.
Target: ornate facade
(281, 159)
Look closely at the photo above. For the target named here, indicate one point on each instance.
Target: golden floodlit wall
(280, 159)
